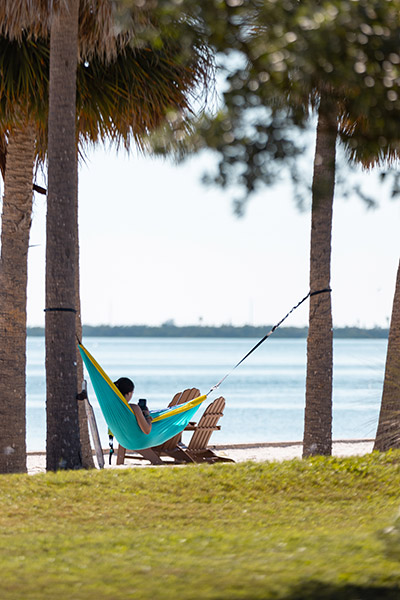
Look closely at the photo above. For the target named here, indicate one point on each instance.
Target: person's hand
(146, 414)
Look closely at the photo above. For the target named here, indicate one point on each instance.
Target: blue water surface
(265, 396)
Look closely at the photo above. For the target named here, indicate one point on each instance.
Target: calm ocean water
(265, 395)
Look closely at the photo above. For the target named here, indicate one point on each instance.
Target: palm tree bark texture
(63, 443)
(16, 224)
(318, 411)
(388, 432)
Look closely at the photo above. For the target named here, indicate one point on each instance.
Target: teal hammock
(120, 418)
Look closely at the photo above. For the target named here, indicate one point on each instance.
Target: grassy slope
(299, 530)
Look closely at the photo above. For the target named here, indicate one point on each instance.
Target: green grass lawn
(299, 530)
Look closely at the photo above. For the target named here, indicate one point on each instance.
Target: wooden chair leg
(152, 456)
(121, 455)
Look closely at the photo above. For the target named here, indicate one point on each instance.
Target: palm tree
(388, 431)
(63, 450)
(295, 94)
(317, 437)
(118, 101)
(16, 221)
(21, 97)
(26, 89)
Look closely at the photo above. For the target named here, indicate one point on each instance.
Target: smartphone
(142, 403)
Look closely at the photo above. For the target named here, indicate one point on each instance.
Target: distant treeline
(226, 331)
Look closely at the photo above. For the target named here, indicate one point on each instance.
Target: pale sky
(158, 245)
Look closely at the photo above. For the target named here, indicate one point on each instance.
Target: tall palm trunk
(63, 444)
(318, 411)
(388, 432)
(15, 230)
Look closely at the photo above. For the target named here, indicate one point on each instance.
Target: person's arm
(143, 424)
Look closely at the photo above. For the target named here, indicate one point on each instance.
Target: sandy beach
(269, 451)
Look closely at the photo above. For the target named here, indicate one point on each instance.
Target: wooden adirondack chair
(197, 449)
(154, 454)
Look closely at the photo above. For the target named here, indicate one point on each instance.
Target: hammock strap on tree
(325, 290)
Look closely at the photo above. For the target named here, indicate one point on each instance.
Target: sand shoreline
(259, 452)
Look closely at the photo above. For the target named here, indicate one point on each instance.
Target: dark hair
(124, 385)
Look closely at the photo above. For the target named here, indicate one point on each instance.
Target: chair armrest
(191, 426)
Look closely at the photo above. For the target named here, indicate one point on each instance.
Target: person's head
(125, 386)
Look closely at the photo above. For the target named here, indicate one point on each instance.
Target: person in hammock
(126, 387)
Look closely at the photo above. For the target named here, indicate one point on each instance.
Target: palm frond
(122, 100)
(97, 32)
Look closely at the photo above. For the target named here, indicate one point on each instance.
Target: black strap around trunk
(60, 309)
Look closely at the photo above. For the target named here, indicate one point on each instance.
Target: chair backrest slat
(207, 424)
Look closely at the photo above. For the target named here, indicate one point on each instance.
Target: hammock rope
(271, 331)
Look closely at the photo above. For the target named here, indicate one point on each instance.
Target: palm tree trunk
(318, 412)
(63, 443)
(15, 230)
(388, 432)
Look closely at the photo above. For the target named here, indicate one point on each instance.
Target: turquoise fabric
(122, 421)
